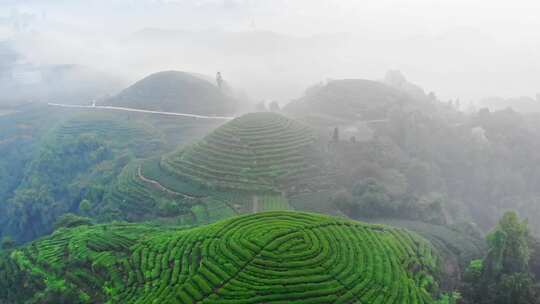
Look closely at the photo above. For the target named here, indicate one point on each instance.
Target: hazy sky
(504, 19)
(457, 48)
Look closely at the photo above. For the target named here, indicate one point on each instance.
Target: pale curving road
(159, 186)
(140, 111)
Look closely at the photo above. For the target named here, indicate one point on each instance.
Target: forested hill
(416, 150)
(352, 99)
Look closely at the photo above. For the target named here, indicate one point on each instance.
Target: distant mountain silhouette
(72, 84)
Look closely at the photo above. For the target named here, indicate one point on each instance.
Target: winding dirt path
(159, 186)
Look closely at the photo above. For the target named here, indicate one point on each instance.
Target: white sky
(503, 19)
(496, 42)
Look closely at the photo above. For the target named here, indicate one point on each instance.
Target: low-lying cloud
(274, 50)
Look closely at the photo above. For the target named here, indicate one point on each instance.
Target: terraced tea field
(137, 199)
(269, 257)
(143, 192)
(255, 152)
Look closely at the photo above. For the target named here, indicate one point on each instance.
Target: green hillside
(145, 192)
(255, 152)
(21, 130)
(272, 257)
(55, 158)
(76, 160)
(174, 91)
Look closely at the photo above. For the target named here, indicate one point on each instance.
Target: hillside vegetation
(20, 136)
(76, 160)
(271, 257)
(255, 152)
(175, 91)
(402, 153)
(54, 159)
(22, 132)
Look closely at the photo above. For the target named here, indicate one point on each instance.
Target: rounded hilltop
(175, 91)
(270, 257)
(349, 99)
(255, 152)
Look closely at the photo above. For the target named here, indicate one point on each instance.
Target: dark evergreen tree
(274, 106)
(335, 135)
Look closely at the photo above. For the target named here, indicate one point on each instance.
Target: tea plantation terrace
(255, 152)
(268, 257)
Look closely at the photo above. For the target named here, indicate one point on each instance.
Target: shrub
(70, 220)
(7, 243)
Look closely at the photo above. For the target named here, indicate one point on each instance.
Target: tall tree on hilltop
(335, 135)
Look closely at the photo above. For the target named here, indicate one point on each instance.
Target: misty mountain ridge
(70, 84)
(298, 61)
(339, 50)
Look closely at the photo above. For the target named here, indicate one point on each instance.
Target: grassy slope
(271, 257)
